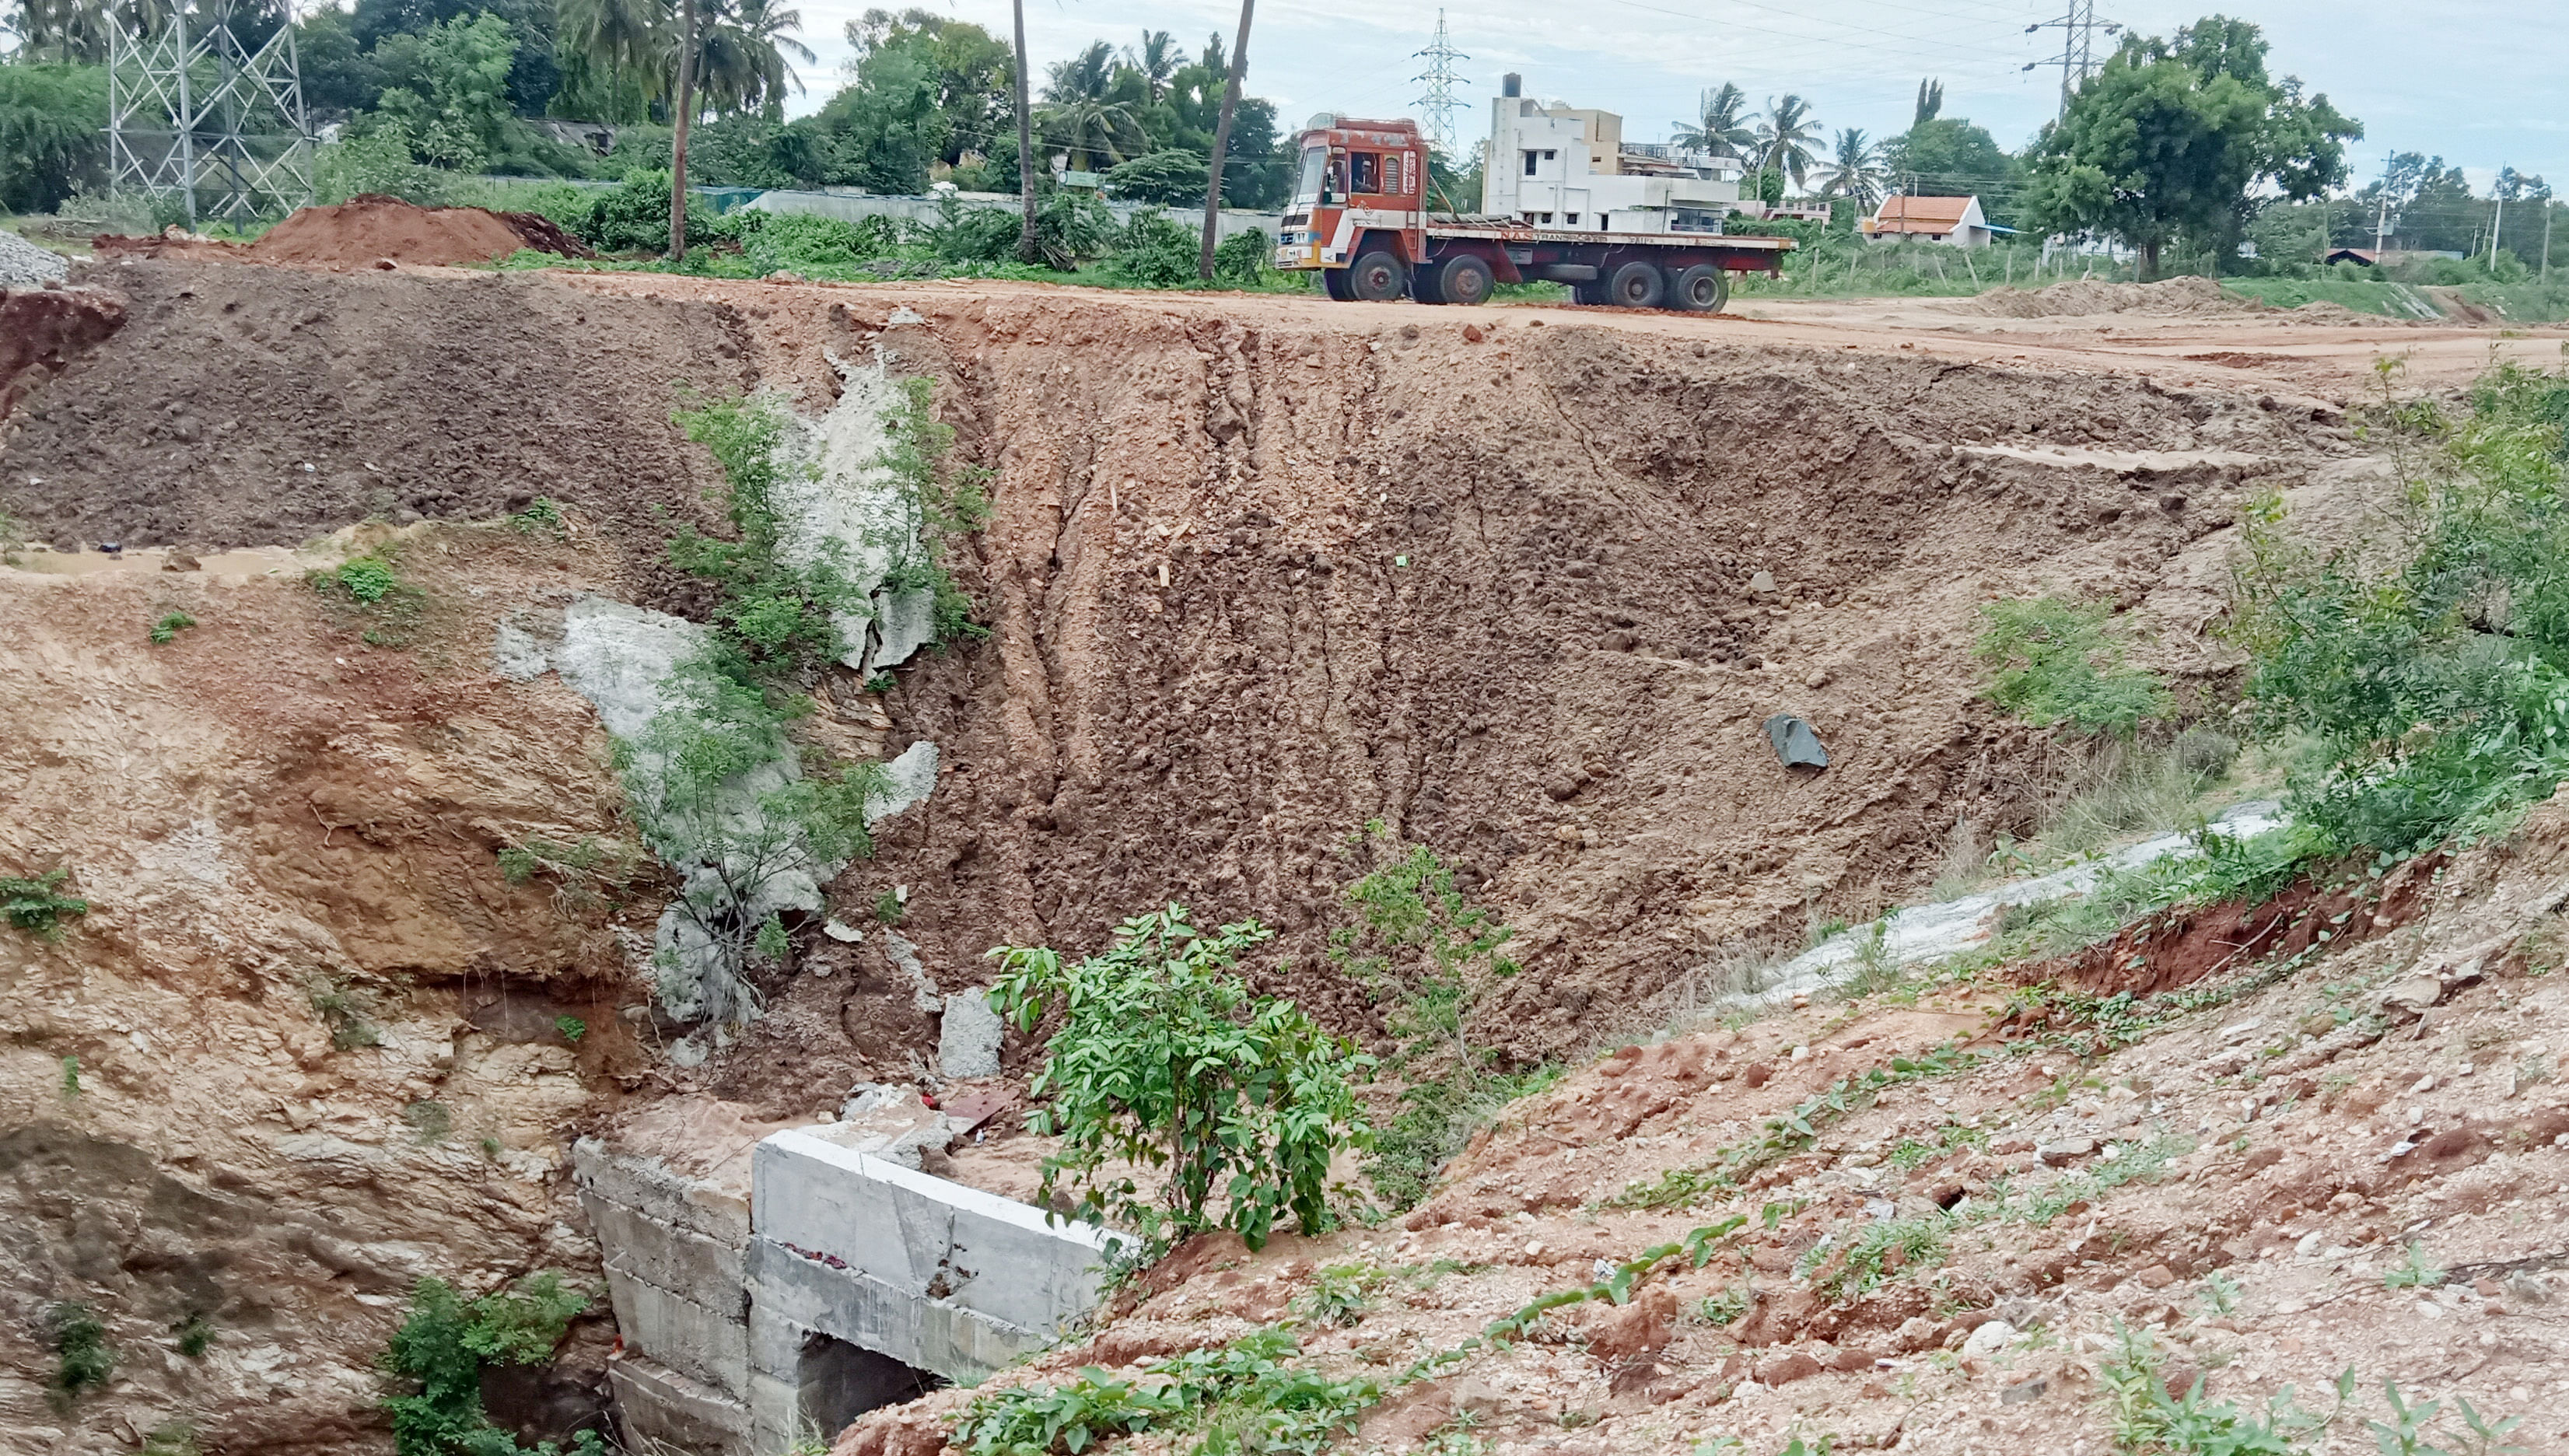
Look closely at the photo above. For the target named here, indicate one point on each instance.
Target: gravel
(25, 265)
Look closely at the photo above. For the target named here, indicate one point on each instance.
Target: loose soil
(370, 231)
(2172, 297)
(1259, 570)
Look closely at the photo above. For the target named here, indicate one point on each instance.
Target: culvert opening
(840, 1381)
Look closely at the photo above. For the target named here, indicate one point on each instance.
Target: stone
(2156, 1277)
(1795, 743)
(1993, 1338)
(1762, 583)
(2066, 1151)
(845, 935)
(1785, 1369)
(969, 1037)
(2024, 1390)
(2414, 994)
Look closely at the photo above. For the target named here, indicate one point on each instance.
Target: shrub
(1156, 251)
(167, 629)
(779, 615)
(1243, 257)
(2051, 660)
(82, 1360)
(440, 1350)
(345, 1011)
(1165, 1057)
(38, 907)
(2429, 661)
(934, 507)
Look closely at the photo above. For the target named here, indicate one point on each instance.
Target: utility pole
(2547, 206)
(2381, 228)
(1440, 103)
(2499, 217)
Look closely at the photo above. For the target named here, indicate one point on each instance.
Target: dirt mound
(2172, 298)
(46, 328)
(371, 228)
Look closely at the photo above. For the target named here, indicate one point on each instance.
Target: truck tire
(1591, 295)
(1335, 282)
(1427, 282)
(1637, 284)
(1465, 281)
(1378, 276)
(1703, 288)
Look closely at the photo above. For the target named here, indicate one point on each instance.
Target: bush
(2051, 660)
(1156, 251)
(1243, 257)
(52, 121)
(38, 905)
(2430, 660)
(1165, 1057)
(442, 1346)
(633, 218)
(82, 1359)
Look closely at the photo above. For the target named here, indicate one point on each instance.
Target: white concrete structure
(844, 1281)
(1568, 168)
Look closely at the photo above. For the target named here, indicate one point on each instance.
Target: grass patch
(83, 1359)
(38, 907)
(168, 628)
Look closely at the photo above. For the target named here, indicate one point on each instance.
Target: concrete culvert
(837, 1383)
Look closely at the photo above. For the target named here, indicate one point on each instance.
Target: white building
(1957, 222)
(1568, 169)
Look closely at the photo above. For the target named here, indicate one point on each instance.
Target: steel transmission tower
(1440, 103)
(2077, 61)
(197, 119)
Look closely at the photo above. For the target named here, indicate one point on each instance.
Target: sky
(2480, 83)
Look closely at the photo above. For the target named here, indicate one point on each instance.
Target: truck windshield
(1316, 167)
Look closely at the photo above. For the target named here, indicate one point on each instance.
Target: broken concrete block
(967, 1041)
(1795, 743)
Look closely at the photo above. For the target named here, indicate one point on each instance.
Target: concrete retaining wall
(944, 1278)
(676, 1275)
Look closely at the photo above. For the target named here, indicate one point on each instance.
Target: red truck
(1359, 219)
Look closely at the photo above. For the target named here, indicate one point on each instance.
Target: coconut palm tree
(1855, 170)
(1785, 137)
(1721, 125)
(1079, 115)
(1155, 62)
(628, 39)
(744, 62)
(1222, 137)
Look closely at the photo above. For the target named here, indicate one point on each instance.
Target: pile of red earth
(370, 229)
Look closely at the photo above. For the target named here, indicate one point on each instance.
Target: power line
(1440, 103)
(2078, 59)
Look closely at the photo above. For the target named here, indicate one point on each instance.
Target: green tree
(1785, 137)
(1165, 1058)
(440, 1350)
(625, 45)
(1172, 177)
(975, 74)
(1721, 126)
(890, 127)
(453, 104)
(52, 121)
(339, 78)
(1854, 170)
(1156, 61)
(1947, 157)
(1081, 116)
(1931, 100)
(744, 66)
(2177, 141)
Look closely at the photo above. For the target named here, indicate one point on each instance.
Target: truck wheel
(1427, 282)
(1336, 283)
(1465, 281)
(1378, 277)
(1637, 284)
(1591, 294)
(1702, 288)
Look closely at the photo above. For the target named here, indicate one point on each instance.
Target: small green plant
(2418, 1273)
(890, 907)
(71, 1077)
(196, 1334)
(880, 683)
(2219, 1293)
(430, 1121)
(570, 1028)
(1422, 945)
(1166, 1057)
(82, 1360)
(1253, 1395)
(490, 1146)
(936, 505)
(441, 1347)
(171, 1438)
(1339, 1293)
(1726, 1307)
(542, 515)
(38, 907)
(167, 629)
(2051, 660)
(2148, 1418)
(346, 1011)
(366, 578)
(586, 876)
(1863, 1264)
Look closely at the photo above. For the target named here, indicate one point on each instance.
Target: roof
(2353, 254)
(1921, 214)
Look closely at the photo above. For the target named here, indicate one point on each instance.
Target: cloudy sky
(2478, 82)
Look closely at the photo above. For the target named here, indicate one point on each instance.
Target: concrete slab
(646, 1184)
(662, 1409)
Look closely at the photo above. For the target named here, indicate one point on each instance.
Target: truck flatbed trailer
(1362, 225)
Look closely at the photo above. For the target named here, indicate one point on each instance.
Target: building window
(1532, 157)
(1546, 217)
(1570, 217)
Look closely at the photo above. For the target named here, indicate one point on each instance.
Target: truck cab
(1358, 180)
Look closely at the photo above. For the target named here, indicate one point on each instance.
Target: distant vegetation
(2053, 660)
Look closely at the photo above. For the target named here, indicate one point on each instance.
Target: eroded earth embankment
(1522, 586)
